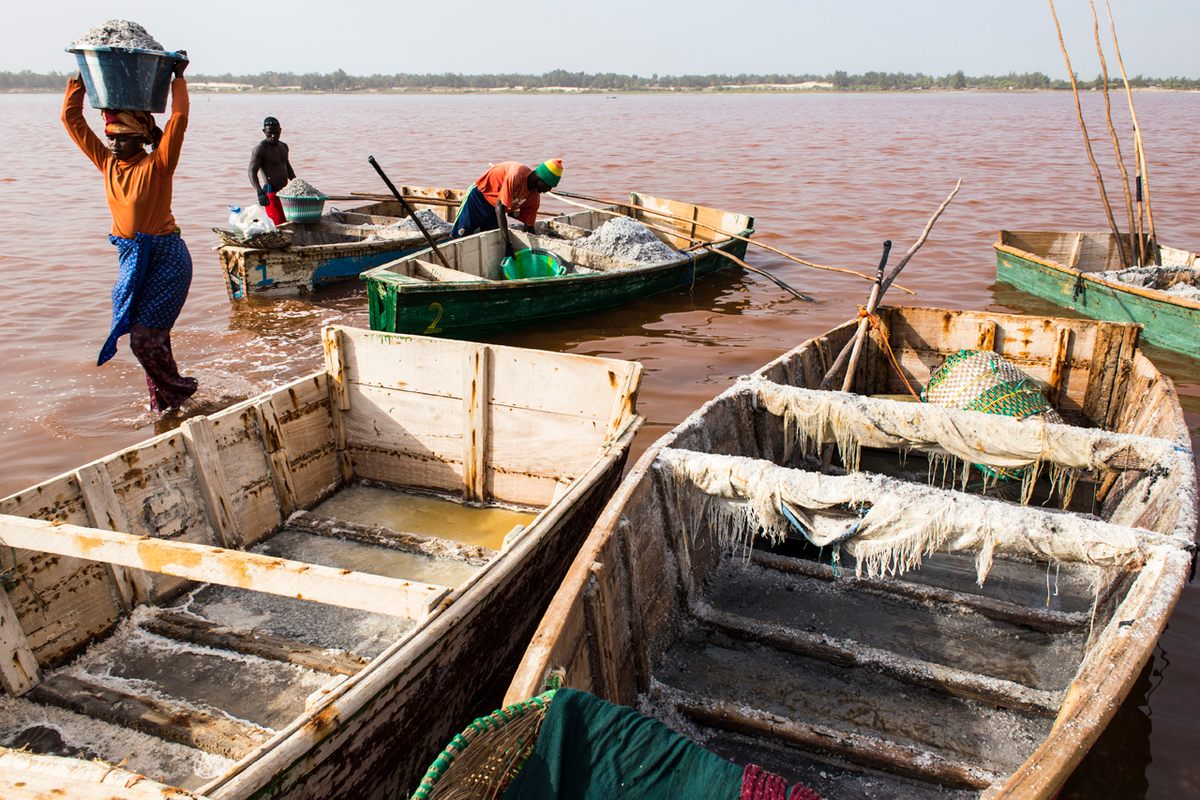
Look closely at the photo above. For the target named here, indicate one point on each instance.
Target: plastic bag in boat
(249, 221)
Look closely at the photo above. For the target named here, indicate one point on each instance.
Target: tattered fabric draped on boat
(888, 525)
(953, 440)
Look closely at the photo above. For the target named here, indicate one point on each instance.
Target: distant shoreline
(610, 83)
(200, 88)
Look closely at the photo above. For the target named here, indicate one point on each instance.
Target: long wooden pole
(1112, 132)
(404, 203)
(564, 195)
(1139, 151)
(778, 282)
(1087, 143)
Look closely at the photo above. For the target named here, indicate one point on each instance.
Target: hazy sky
(1158, 37)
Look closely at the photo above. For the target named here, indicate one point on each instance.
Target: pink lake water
(827, 177)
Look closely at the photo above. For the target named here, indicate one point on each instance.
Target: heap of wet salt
(297, 187)
(626, 239)
(119, 33)
(406, 227)
(1179, 281)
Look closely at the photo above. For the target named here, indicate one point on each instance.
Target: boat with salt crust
(418, 294)
(303, 595)
(1062, 267)
(338, 248)
(967, 640)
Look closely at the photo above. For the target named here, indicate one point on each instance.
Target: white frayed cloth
(813, 419)
(895, 523)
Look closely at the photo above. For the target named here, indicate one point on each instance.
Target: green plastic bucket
(529, 263)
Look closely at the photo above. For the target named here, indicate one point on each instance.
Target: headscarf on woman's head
(129, 123)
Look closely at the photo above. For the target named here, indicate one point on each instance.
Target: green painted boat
(1063, 267)
(417, 294)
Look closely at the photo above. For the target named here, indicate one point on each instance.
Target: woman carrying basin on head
(155, 267)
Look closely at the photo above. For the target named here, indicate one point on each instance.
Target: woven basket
(302, 209)
(484, 759)
(275, 240)
(976, 380)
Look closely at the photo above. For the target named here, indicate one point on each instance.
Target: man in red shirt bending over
(507, 188)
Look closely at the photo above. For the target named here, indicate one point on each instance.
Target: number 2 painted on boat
(437, 310)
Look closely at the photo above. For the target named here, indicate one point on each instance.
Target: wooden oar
(409, 209)
(418, 199)
(796, 292)
(415, 198)
(646, 210)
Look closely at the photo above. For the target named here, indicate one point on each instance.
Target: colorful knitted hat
(550, 171)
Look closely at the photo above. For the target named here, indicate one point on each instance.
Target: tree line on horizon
(340, 81)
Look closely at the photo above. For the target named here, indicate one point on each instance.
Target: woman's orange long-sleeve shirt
(138, 191)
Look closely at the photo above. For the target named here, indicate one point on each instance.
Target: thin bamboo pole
(1112, 132)
(860, 335)
(877, 292)
(564, 195)
(777, 281)
(1139, 151)
(1087, 143)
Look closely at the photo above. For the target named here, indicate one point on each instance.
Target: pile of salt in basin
(298, 187)
(119, 33)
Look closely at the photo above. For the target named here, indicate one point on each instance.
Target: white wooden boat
(918, 677)
(339, 247)
(303, 595)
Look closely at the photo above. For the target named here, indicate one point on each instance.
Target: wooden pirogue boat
(1062, 267)
(417, 294)
(303, 595)
(918, 684)
(338, 248)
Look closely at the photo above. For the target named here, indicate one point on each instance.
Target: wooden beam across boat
(24, 774)
(165, 719)
(381, 536)
(186, 628)
(855, 747)
(938, 677)
(22, 785)
(198, 562)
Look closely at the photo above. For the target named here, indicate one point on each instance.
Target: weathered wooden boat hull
(478, 421)
(642, 616)
(463, 307)
(1170, 322)
(301, 268)
(377, 740)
